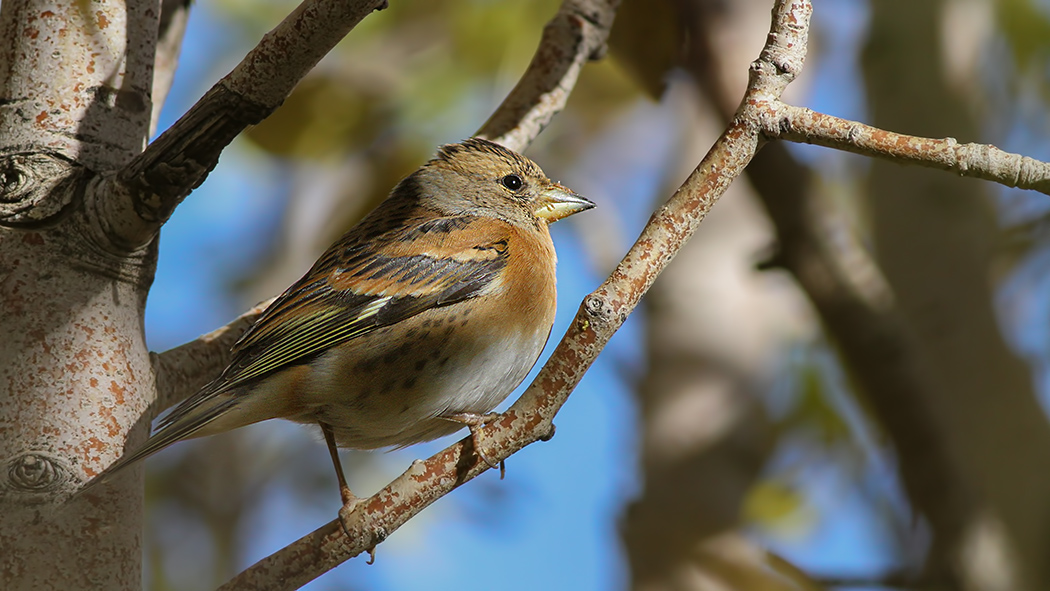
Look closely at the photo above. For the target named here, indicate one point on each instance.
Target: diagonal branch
(530, 418)
(576, 33)
(151, 186)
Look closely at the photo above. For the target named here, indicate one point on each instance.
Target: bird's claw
(474, 423)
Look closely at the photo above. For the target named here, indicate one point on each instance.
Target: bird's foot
(350, 503)
(348, 497)
(475, 422)
(345, 513)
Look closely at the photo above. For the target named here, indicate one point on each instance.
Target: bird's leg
(344, 490)
(329, 438)
(474, 422)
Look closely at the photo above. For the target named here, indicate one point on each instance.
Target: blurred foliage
(776, 504)
(414, 70)
(413, 76)
(812, 411)
(1026, 27)
(647, 39)
(421, 73)
(321, 119)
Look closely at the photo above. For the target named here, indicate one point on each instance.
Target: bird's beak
(557, 202)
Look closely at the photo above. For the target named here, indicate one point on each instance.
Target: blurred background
(884, 428)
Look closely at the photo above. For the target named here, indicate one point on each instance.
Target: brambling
(420, 319)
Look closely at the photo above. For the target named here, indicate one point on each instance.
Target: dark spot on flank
(421, 364)
(425, 324)
(410, 333)
(434, 354)
(464, 323)
(443, 361)
(409, 383)
(387, 388)
(366, 366)
(404, 409)
(391, 357)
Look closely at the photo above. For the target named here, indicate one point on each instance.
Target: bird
(418, 321)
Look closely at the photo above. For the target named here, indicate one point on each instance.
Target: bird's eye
(512, 182)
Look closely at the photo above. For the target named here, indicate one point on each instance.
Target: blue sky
(560, 502)
(560, 499)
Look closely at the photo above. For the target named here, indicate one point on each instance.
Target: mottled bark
(75, 376)
(76, 102)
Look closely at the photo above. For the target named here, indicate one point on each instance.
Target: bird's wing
(357, 288)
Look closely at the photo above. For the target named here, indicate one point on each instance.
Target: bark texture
(76, 380)
(75, 376)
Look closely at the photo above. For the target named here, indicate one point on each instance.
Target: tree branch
(798, 124)
(372, 520)
(152, 185)
(577, 33)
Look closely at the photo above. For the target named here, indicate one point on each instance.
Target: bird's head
(484, 178)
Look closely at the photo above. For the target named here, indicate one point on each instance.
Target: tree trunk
(75, 86)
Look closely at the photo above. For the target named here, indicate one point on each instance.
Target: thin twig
(577, 33)
(982, 161)
(600, 315)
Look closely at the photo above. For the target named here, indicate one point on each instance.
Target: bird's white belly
(468, 373)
